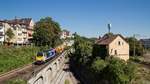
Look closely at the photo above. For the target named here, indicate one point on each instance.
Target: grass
(11, 57)
(67, 81)
(16, 81)
(142, 75)
(143, 70)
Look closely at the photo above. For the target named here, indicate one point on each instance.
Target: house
(65, 34)
(112, 45)
(145, 43)
(22, 29)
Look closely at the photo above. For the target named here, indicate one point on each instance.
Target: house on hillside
(65, 34)
(112, 45)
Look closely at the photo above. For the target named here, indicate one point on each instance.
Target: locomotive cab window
(40, 54)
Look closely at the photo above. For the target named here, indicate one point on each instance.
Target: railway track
(25, 72)
(14, 73)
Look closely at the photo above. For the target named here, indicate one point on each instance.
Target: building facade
(113, 45)
(65, 34)
(22, 29)
(145, 43)
(1, 32)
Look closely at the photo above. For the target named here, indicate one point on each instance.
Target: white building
(113, 45)
(22, 29)
(1, 32)
(65, 34)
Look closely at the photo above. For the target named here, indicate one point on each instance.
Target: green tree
(47, 32)
(139, 49)
(98, 65)
(9, 34)
(119, 72)
(83, 50)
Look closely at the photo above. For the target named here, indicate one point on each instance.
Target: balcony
(1, 28)
(1, 39)
(1, 34)
(24, 31)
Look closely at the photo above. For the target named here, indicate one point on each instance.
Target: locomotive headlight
(39, 58)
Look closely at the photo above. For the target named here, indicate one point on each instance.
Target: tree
(9, 34)
(83, 49)
(119, 72)
(133, 42)
(46, 32)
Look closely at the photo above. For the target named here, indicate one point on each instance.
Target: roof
(65, 30)
(107, 39)
(144, 40)
(22, 21)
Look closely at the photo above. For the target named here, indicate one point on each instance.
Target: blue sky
(86, 17)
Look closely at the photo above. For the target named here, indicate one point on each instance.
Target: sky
(86, 17)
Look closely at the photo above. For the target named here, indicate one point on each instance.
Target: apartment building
(1, 32)
(22, 29)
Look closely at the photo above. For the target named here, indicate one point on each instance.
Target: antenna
(109, 27)
(15, 17)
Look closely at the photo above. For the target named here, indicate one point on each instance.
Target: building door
(115, 52)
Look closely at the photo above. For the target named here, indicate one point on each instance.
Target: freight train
(46, 55)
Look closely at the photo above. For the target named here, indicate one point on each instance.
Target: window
(19, 39)
(19, 34)
(1, 34)
(119, 43)
(19, 29)
(115, 52)
(1, 27)
(111, 51)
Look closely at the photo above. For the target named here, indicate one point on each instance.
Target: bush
(119, 72)
(98, 65)
(112, 71)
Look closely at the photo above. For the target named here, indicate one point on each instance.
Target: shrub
(112, 70)
(98, 65)
(119, 72)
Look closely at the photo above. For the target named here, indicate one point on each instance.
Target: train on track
(46, 55)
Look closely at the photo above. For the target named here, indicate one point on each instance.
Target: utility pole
(134, 36)
(134, 45)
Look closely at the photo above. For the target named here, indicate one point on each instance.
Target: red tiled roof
(107, 39)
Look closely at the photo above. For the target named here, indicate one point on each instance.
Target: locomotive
(46, 55)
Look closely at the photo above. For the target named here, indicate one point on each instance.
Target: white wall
(122, 49)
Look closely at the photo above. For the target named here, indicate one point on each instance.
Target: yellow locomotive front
(40, 57)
